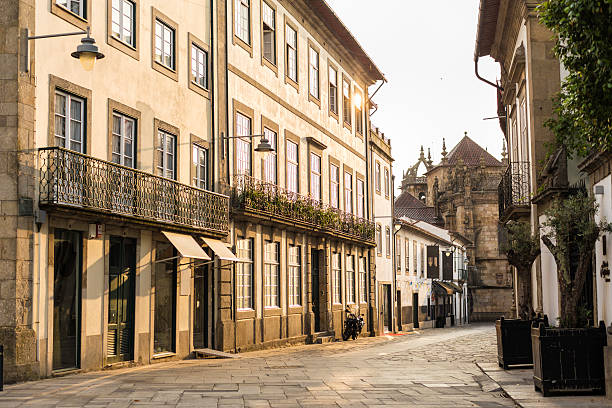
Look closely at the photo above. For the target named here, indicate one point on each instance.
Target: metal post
(1, 367)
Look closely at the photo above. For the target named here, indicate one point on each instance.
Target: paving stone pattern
(430, 368)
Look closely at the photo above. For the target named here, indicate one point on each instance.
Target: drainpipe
(483, 79)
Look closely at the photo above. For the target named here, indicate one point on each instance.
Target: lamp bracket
(38, 37)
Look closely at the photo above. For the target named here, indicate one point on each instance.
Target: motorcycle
(352, 325)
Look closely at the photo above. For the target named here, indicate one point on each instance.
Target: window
(350, 279)
(69, 121)
(348, 192)
(200, 166)
(414, 256)
(244, 273)
(377, 177)
(291, 52)
(333, 90)
(315, 176)
(360, 199)
(422, 259)
(292, 167)
(243, 146)
(346, 101)
(166, 158)
(123, 23)
(75, 6)
(313, 73)
(199, 66)
(398, 255)
(269, 32)
(295, 275)
(407, 256)
(270, 174)
(242, 20)
(523, 119)
(164, 45)
(123, 135)
(379, 240)
(358, 115)
(165, 299)
(386, 182)
(388, 240)
(363, 280)
(271, 274)
(334, 186)
(337, 279)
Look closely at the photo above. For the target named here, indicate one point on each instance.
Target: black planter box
(569, 360)
(513, 342)
(440, 322)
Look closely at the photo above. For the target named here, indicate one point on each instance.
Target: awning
(186, 245)
(220, 249)
(439, 289)
(449, 289)
(455, 287)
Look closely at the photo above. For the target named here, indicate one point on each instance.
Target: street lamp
(264, 145)
(87, 53)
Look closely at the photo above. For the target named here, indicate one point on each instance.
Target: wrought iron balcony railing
(514, 188)
(76, 180)
(249, 193)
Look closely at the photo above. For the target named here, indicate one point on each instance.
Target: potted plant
(570, 357)
(514, 335)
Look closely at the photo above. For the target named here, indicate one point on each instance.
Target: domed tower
(414, 180)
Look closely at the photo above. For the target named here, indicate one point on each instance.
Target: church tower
(414, 180)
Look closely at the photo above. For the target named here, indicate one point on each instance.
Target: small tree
(522, 248)
(570, 234)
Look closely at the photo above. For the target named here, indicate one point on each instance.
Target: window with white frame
(294, 262)
(244, 273)
(360, 198)
(350, 279)
(336, 278)
(123, 22)
(386, 182)
(523, 119)
(291, 53)
(363, 280)
(313, 73)
(242, 20)
(75, 6)
(243, 145)
(379, 242)
(346, 101)
(334, 186)
(377, 177)
(165, 40)
(348, 192)
(398, 255)
(269, 32)
(270, 173)
(166, 154)
(200, 166)
(422, 259)
(414, 256)
(333, 90)
(358, 115)
(123, 135)
(388, 240)
(407, 256)
(315, 176)
(271, 274)
(199, 66)
(69, 121)
(292, 167)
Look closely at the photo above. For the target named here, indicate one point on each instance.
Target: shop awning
(455, 287)
(186, 245)
(439, 289)
(220, 249)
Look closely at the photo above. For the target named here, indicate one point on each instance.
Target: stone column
(373, 318)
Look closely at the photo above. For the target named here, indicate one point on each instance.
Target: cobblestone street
(430, 368)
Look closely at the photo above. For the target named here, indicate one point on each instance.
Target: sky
(426, 51)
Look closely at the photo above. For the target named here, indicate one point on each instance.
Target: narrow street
(430, 368)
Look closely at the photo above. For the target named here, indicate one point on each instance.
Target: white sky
(426, 51)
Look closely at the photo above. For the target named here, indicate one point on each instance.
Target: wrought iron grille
(515, 188)
(69, 178)
(253, 194)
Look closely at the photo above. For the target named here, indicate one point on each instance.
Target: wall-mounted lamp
(87, 53)
(264, 145)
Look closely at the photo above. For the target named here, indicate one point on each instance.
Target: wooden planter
(568, 360)
(514, 342)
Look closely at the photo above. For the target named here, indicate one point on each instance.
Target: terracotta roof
(487, 25)
(427, 214)
(335, 25)
(471, 153)
(408, 200)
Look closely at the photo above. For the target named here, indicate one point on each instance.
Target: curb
(497, 387)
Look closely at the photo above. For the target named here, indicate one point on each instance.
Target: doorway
(398, 308)
(121, 271)
(201, 309)
(316, 305)
(415, 310)
(386, 304)
(67, 271)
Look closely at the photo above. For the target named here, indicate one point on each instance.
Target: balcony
(514, 190)
(257, 198)
(74, 180)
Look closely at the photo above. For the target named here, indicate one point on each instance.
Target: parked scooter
(352, 325)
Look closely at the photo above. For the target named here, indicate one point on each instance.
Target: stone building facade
(462, 190)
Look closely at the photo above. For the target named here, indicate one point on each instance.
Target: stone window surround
(238, 107)
(237, 40)
(264, 61)
(387, 181)
(348, 170)
(295, 84)
(195, 140)
(346, 78)
(74, 89)
(74, 19)
(360, 177)
(158, 15)
(311, 98)
(166, 127)
(132, 51)
(115, 106)
(246, 231)
(377, 182)
(360, 119)
(335, 162)
(292, 137)
(316, 147)
(296, 240)
(193, 40)
(273, 126)
(335, 68)
(271, 234)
